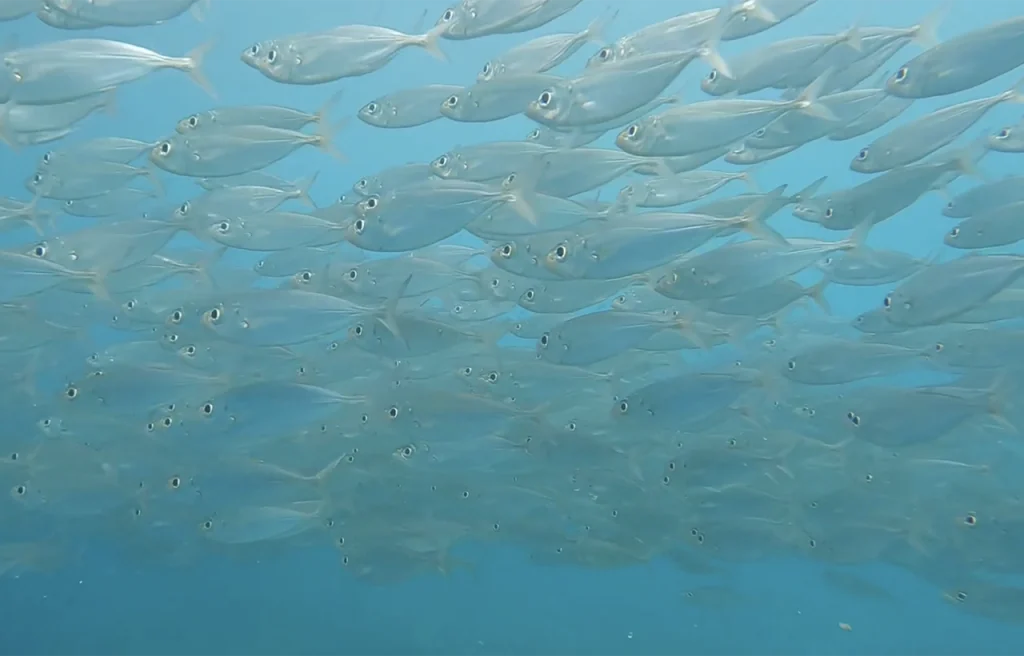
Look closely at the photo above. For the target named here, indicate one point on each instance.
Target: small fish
(407, 108)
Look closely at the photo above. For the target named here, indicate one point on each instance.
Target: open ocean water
(86, 582)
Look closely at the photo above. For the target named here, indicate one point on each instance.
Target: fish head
(488, 72)
(605, 55)
(633, 137)
(455, 105)
(864, 161)
(455, 20)
(902, 82)
(566, 258)
(551, 104)
(190, 123)
(373, 113)
(716, 84)
(171, 154)
(528, 298)
(444, 166)
(252, 55)
(1004, 139)
(813, 211)
(39, 183)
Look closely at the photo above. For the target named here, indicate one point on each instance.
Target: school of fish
(477, 349)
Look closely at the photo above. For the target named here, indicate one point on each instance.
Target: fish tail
(429, 41)
(388, 314)
(851, 37)
(754, 221)
(749, 179)
(324, 138)
(807, 101)
(859, 236)
(809, 191)
(520, 188)
(1016, 93)
(595, 32)
(202, 269)
(926, 32)
(194, 67)
(328, 106)
(816, 293)
(304, 186)
(97, 283)
(158, 187)
(199, 9)
(708, 50)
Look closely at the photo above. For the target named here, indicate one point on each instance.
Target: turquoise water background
(302, 601)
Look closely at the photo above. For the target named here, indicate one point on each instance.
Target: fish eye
(961, 595)
(632, 130)
(165, 148)
(487, 68)
(223, 227)
(207, 409)
(39, 250)
(604, 53)
(71, 392)
(393, 412)
(353, 274)
(189, 350)
(193, 121)
(20, 490)
(362, 183)
(507, 250)
(457, 309)
(442, 161)
(529, 295)
(887, 302)
(545, 99)
(533, 136)
(177, 316)
(407, 451)
(184, 208)
(954, 232)
(760, 132)
(544, 339)
(495, 283)
(14, 457)
(255, 49)
(452, 101)
(712, 76)
(171, 338)
(791, 365)
(357, 330)
(561, 251)
(213, 314)
(939, 347)
(623, 407)
(863, 154)
(571, 426)
(447, 15)
(853, 417)
(492, 377)
(207, 525)
(1003, 134)
(371, 108)
(829, 213)
(467, 371)
(306, 276)
(272, 56)
(37, 178)
(47, 157)
(812, 543)
(371, 203)
(359, 226)
(901, 74)
(174, 482)
(971, 519)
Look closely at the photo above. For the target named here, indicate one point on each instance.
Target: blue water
(301, 601)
